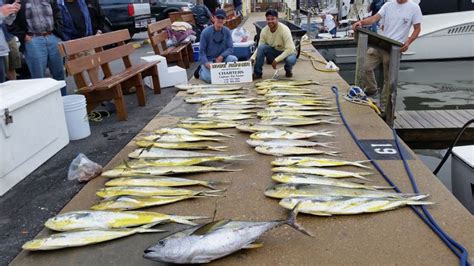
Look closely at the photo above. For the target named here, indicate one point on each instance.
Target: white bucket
(76, 116)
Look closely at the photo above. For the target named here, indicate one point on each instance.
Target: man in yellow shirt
(276, 45)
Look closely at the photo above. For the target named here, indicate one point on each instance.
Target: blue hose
(455, 247)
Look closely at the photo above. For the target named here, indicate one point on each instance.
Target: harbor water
(430, 85)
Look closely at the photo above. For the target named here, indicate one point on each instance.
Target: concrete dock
(393, 237)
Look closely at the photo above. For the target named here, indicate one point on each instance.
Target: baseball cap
(220, 13)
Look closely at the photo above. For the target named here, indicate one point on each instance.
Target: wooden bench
(98, 88)
(233, 21)
(182, 53)
(186, 16)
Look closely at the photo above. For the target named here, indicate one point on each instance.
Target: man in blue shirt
(215, 46)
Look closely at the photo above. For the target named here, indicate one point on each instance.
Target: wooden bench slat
(89, 43)
(95, 60)
(159, 25)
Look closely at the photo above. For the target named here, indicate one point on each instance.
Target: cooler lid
(465, 154)
(18, 93)
(244, 44)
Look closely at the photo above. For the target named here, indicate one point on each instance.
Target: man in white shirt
(329, 24)
(398, 16)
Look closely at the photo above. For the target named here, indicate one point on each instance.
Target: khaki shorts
(13, 60)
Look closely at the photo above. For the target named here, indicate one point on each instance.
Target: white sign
(228, 73)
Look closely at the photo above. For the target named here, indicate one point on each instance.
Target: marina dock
(438, 127)
(393, 237)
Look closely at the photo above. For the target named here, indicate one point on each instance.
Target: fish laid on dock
(206, 124)
(295, 121)
(122, 203)
(289, 134)
(289, 178)
(156, 153)
(281, 191)
(320, 171)
(207, 242)
(328, 206)
(196, 132)
(288, 143)
(180, 145)
(142, 163)
(227, 117)
(87, 220)
(283, 151)
(142, 191)
(164, 170)
(160, 182)
(266, 113)
(83, 238)
(285, 82)
(205, 86)
(316, 162)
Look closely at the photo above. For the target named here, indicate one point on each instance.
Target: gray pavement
(41, 195)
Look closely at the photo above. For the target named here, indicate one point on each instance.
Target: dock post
(393, 82)
(362, 43)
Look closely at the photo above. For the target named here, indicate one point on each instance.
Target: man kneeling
(276, 45)
(215, 46)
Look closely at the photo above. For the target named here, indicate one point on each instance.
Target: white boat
(443, 36)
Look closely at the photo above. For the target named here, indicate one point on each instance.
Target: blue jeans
(42, 52)
(271, 53)
(333, 31)
(205, 73)
(374, 27)
(3, 69)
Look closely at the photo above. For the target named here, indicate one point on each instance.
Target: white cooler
(169, 76)
(32, 127)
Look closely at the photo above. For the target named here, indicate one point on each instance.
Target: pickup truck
(135, 15)
(161, 8)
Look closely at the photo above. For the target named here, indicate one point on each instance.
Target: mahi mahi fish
(164, 170)
(283, 151)
(289, 134)
(160, 182)
(327, 206)
(204, 86)
(320, 180)
(320, 171)
(155, 153)
(316, 162)
(180, 145)
(141, 163)
(287, 143)
(307, 190)
(185, 131)
(204, 243)
(109, 192)
(122, 203)
(83, 238)
(86, 220)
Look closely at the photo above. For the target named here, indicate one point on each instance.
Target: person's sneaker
(196, 73)
(255, 76)
(288, 74)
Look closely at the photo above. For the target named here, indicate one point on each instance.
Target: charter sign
(228, 73)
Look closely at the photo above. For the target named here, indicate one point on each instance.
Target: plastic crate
(244, 50)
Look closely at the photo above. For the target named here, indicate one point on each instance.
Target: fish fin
(360, 164)
(382, 187)
(185, 219)
(418, 197)
(414, 202)
(229, 170)
(218, 148)
(320, 213)
(253, 245)
(291, 221)
(211, 184)
(326, 144)
(332, 153)
(150, 231)
(210, 227)
(333, 121)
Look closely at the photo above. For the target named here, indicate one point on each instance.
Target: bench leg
(184, 57)
(180, 61)
(156, 80)
(120, 104)
(190, 52)
(140, 89)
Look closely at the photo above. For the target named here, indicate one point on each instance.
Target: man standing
(7, 15)
(76, 19)
(276, 45)
(329, 24)
(39, 27)
(215, 46)
(398, 17)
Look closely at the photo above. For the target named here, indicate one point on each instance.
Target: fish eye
(161, 243)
